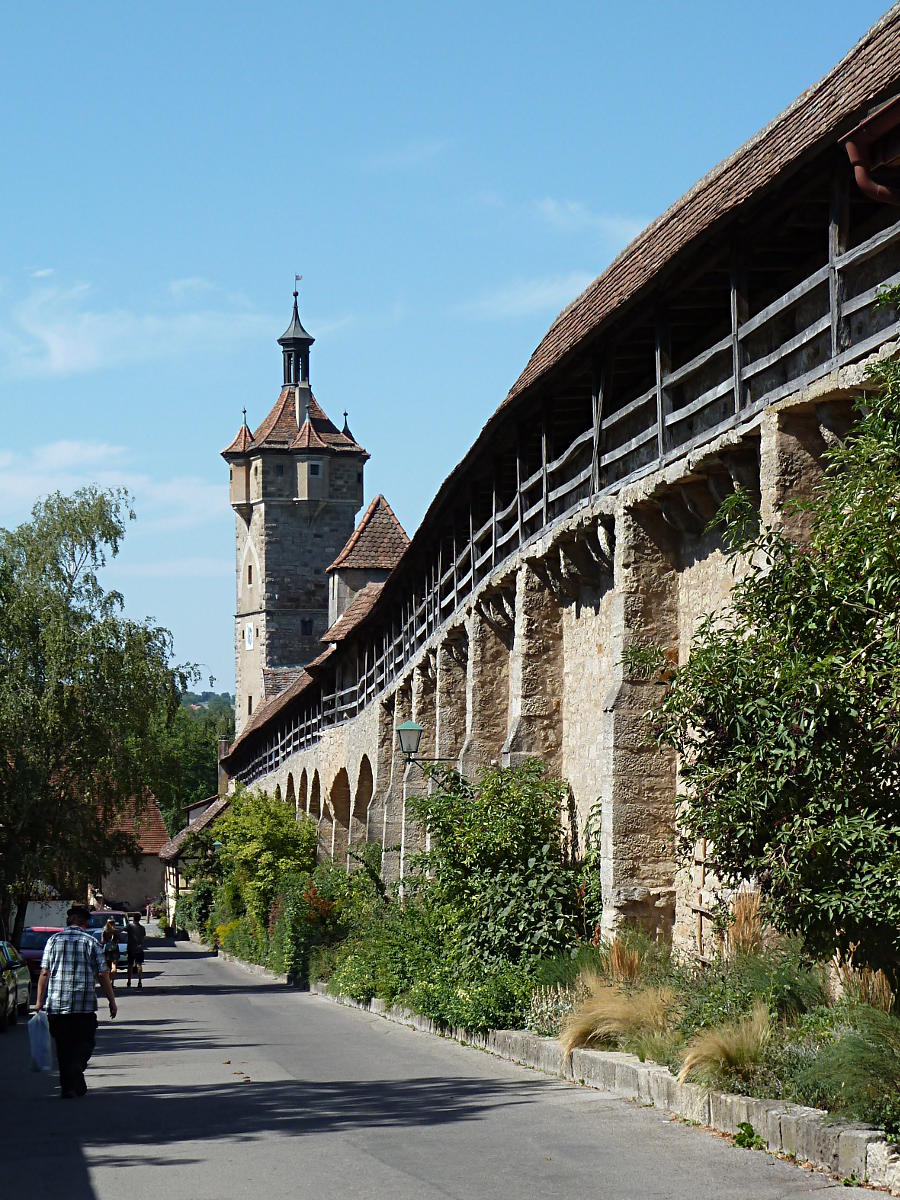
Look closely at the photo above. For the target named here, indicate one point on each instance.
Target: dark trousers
(74, 1034)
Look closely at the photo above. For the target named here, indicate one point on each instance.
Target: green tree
(191, 740)
(785, 716)
(250, 847)
(497, 872)
(84, 694)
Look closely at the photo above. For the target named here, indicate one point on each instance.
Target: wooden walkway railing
(826, 321)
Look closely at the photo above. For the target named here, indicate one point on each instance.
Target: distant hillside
(215, 703)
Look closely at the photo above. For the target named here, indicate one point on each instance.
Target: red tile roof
(241, 444)
(277, 679)
(280, 431)
(169, 852)
(145, 823)
(376, 543)
(358, 608)
(271, 707)
(822, 114)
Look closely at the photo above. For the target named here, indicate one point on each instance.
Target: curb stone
(807, 1134)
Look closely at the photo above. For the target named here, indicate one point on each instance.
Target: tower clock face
(248, 635)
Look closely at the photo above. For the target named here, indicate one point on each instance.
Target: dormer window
(306, 626)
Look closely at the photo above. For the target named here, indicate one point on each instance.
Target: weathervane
(297, 279)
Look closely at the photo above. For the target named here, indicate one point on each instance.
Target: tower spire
(295, 343)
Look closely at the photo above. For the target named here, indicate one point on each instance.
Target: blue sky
(445, 177)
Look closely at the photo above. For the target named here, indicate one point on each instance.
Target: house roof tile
(280, 431)
(377, 542)
(170, 851)
(358, 608)
(241, 444)
(145, 823)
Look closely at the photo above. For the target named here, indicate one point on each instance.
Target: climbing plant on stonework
(786, 716)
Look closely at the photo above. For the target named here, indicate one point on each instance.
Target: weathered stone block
(882, 1163)
(793, 1117)
(853, 1146)
(817, 1140)
(587, 1067)
(663, 1085)
(691, 1102)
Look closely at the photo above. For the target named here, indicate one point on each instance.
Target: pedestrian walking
(109, 941)
(136, 934)
(70, 968)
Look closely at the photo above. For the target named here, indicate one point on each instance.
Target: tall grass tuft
(608, 1014)
(733, 1048)
(862, 985)
(623, 963)
(745, 934)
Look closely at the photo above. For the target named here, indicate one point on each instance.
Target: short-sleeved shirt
(72, 958)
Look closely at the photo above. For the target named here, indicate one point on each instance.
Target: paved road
(213, 1085)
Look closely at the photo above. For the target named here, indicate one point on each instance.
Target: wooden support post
(739, 313)
(838, 241)
(544, 488)
(519, 492)
(471, 552)
(455, 574)
(494, 522)
(600, 387)
(663, 366)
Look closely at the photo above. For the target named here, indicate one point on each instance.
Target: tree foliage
(496, 869)
(785, 716)
(191, 742)
(84, 695)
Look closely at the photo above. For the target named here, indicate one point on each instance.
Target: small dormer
(374, 549)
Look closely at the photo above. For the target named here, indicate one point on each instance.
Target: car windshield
(98, 920)
(33, 940)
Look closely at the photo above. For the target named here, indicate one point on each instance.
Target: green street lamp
(409, 736)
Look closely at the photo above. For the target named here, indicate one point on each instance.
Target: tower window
(306, 626)
(249, 574)
(315, 469)
(249, 705)
(279, 468)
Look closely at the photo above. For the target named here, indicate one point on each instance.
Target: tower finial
(244, 411)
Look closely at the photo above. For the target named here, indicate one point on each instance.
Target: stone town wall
(533, 663)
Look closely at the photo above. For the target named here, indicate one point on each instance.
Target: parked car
(34, 939)
(98, 919)
(17, 983)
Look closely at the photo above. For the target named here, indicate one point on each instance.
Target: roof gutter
(859, 143)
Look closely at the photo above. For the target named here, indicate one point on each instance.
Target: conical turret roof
(377, 543)
(295, 331)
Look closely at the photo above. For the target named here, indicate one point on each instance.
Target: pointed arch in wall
(362, 798)
(290, 795)
(303, 793)
(339, 796)
(278, 792)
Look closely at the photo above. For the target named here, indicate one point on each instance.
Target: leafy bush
(496, 872)
(785, 714)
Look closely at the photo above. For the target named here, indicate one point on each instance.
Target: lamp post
(409, 738)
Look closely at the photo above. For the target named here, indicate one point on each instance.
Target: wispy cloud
(527, 297)
(572, 216)
(406, 157)
(163, 504)
(55, 331)
(42, 273)
(190, 567)
(192, 285)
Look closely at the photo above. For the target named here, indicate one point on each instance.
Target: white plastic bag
(39, 1040)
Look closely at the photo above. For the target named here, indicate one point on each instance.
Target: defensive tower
(296, 484)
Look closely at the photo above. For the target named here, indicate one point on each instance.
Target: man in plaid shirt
(69, 969)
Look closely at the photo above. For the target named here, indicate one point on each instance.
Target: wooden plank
(698, 361)
(740, 310)
(785, 301)
(471, 548)
(572, 448)
(632, 406)
(632, 444)
(788, 347)
(702, 401)
(864, 299)
(571, 484)
(663, 363)
(871, 246)
(838, 237)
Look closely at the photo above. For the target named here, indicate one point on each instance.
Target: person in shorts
(136, 934)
